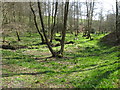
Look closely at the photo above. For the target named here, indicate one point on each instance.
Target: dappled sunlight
(84, 65)
(54, 44)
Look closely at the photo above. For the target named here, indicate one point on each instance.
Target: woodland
(60, 44)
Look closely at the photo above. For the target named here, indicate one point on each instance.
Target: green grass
(87, 64)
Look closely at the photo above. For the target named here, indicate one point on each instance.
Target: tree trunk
(3, 37)
(117, 22)
(64, 28)
(60, 53)
(43, 29)
(49, 10)
(36, 25)
(18, 35)
(89, 17)
(52, 29)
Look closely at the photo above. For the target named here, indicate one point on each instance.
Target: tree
(5, 19)
(64, 29)
(101, 19)
(117, 22)
(14, 20)
(55, 53)
(89, 16)
(36, 25)
(52, 29)
(76, 11)
(49, 14)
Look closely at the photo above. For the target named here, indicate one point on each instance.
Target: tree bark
(52, 29)
(18, 35)
(117, 22)
(64, 28)
(49, 14)
(36, 25)
(60, 53)
(90, 8)
(43, 29)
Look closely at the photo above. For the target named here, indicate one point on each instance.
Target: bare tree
(5, 20)
(117, 22)
(101, 18)
(64, 29)
(49, 19)
(17, 33)
(54, 53)
(36, 25)
(52, 29)
(43, 29)
(90, 8)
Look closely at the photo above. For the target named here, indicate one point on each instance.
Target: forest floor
(86, 64)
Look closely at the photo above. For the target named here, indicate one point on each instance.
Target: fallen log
(12, 47)
(7, 47)
(58, 44)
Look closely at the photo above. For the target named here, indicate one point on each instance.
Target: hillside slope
(111, 39)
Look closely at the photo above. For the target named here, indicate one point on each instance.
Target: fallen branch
(58, 44)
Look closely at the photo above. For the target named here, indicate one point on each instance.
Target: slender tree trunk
(88, 20)
(52, 11)
(60, 53)
(92, 9)
(100, 27)
(74, 19)
(49, 10)
(43, 29)
(52, 29)
(64, 28)
(77, 23)
(18, 35)
(89, 16)
(3, 37)
(19, 16)
(30, 17)
(36, 25)
(117, 21)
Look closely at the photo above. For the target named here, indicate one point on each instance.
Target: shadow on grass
(67, 72)
(95, 80)
(50, 59)
(89, 51)
(12, 74)
(104, 75)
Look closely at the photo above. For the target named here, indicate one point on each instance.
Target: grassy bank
(86, 64)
